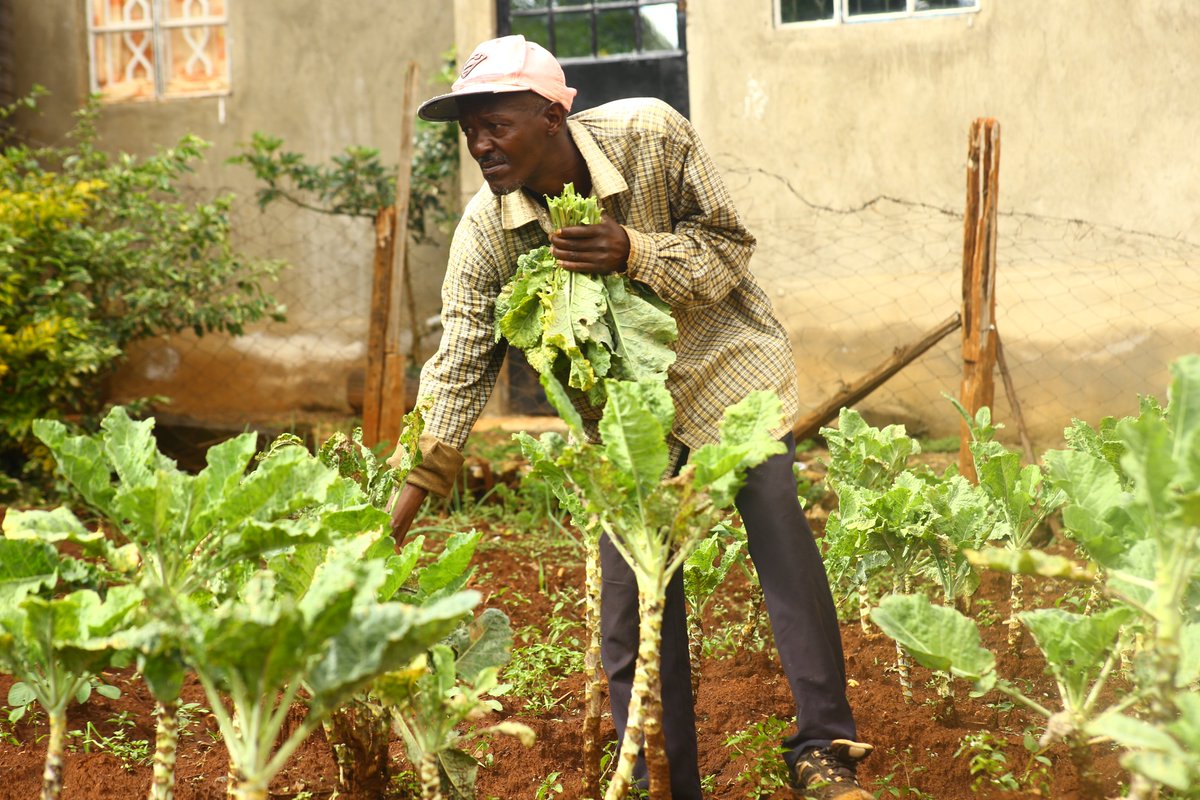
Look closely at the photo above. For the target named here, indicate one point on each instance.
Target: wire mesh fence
(310, 365)
(1090, 315)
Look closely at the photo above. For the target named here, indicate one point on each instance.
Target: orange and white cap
(507, 64)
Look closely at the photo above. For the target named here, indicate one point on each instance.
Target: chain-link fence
(313, 364)
(1090, 315)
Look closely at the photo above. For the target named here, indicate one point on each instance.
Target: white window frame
(159, 26)
(841, 17)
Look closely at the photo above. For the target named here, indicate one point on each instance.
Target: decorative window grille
(154, 49)
(840, 11)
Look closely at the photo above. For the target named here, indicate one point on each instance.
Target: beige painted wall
(320, 75)
(1099, 105)
(1100, 196)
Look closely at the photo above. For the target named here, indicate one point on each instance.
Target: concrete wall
(1099, 108)
(1100, 196)
(1098, 104)
(320, 75)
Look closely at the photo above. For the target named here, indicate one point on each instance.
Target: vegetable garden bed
(522, 568)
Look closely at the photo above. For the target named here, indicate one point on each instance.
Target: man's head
(511, 101)
(501, 66)
(514, 137)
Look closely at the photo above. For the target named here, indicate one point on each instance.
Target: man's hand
(597, 249)
(405, 505)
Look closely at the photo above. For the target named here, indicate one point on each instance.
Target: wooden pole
(809, 425)
(394, 401)
(381, 294)
(383, 397)
(979, 279)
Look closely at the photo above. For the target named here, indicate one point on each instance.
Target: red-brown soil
(915, 744)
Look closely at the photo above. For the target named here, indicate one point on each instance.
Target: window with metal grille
(152, 49)
(596, 29)
(835, 11)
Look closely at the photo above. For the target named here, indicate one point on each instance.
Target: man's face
(507, 135)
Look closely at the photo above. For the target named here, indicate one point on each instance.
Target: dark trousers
(799, 605)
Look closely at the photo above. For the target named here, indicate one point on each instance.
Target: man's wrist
(639, 246)
(438, 468)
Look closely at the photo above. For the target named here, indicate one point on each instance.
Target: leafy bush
(357, 184)
(98, 251)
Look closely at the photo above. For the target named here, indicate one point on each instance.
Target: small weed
(984, 611)
(765, 772)
(894, 784)
(1002, 706)
(898, 783)
(22, 700)
(887, 786)
(549, 787)
(405, 784)
(989, 765)
(131, 752)
(735, 631)
(608, 758)
(536, 669)
(187, 715)
(8, 733)
(1037, 767)
(509, 596)
(482, 752)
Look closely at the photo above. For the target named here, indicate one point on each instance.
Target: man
(669, 223)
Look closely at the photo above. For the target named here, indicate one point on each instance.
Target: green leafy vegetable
(55, 648)
(654, 522)
(266, 648)
(1130, 499)
(451, 684)
(578, 329)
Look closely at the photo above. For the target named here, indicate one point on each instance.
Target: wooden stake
(383, 398)
(394, 401)
(381, 294)
(809, 425)
(979, 279)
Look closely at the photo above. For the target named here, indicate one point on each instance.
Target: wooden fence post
(979, 279)
(384, 400)
(395, 399)
(377, 324)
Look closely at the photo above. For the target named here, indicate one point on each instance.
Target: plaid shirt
(651, 173)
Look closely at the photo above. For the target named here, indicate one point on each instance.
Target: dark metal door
(609, 49)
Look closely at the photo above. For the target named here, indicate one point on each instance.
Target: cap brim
(444, 107)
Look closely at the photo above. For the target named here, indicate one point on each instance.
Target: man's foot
(827, 773)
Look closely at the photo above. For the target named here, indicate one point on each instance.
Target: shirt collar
(517, 208)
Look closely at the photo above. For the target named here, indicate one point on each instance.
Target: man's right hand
(405, 505)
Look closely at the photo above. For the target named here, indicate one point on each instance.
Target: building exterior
(840, 125)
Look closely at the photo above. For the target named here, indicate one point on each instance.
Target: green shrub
(98, 251)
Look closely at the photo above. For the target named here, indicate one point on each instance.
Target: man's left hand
(597, 249)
